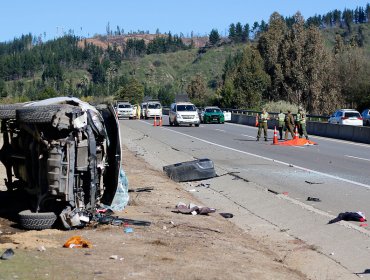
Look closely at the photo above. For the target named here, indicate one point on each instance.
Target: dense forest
(321, 64)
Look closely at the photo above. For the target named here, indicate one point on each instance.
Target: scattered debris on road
(118, 221)
(349, 216)
(8, 254)
(227, 215)
(195, 170)
(193, 209)
(316, 199)
(145, 189)
(77, 242)
(313, 183)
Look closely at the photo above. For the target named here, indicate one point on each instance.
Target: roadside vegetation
(321, 63)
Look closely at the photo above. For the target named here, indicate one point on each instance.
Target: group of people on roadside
(286, 123)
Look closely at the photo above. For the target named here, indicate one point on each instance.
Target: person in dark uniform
(262, 124)
(289, 125)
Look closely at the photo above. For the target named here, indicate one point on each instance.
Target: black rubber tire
(41, 114)
(197, 125)
(171, 123)
(36, 221)
(8, 111)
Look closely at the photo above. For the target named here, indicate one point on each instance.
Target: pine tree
(232, 32)
(214, 37)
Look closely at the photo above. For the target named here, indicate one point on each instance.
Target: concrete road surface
(272, 183)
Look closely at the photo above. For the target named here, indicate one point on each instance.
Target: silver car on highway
(346, 117)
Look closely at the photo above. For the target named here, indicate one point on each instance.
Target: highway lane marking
(357, 157)
(249, 136)
(271, 159)
(220, 130)
(314, 136)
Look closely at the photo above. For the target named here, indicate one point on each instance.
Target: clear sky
(89, 17)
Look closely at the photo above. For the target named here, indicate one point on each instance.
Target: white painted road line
(249, 136)
(271, 159)
(357, 157)
(220, 130)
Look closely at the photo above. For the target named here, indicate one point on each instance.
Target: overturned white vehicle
(66, 154)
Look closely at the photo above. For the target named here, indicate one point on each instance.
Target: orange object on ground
(77, 242)
(297, 142)
(155, 121)
(275, 140)
(256, 120)
(296, 136)
(160, 121)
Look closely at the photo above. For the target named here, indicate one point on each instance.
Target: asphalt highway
(267, 185)
(335, 171)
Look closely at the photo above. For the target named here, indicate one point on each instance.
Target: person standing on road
(262, 124)
(138, 111)
(281, 120)
(298, 119)
(289, 125)
(303, 130)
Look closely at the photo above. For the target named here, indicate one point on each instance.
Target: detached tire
(38, 114)
(43, 114)
(8, 111)
(36, 221)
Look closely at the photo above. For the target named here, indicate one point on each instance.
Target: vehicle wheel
(190, 124)
(171, 123)
(9, 111)
(197, 124)
(176, 123)
(43, 114)
(36, 221)
(367, 122)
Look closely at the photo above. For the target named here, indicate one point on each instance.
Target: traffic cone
(160, 120)
(296, 133)
(275, 140)
(155, 121)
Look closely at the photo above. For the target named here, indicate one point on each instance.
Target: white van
(183, 113)
(153, 109)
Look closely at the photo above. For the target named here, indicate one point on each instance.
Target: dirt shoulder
(175, 246)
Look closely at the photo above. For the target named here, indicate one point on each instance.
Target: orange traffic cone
(275, 140)
(155, 121)
(160, 120)
(296, 133)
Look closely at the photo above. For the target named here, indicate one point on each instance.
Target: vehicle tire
(197, 125)
(176, 123)
(8, 111)
(367, 122)
(190, 124)
(36, 221)
(171, 123)
(42, 114)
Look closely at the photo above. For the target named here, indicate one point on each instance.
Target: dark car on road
(65, 154)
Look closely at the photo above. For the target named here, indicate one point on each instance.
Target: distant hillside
(121, 40)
